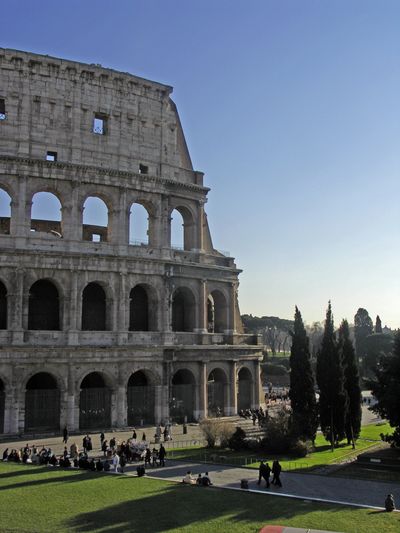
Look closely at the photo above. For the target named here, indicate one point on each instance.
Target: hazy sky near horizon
(291, 108)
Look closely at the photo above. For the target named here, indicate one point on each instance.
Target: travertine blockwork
(98, 330)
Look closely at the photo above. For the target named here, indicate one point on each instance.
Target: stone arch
(244, 390)
(46, 213)
(44, 306)
(2, 405)
(5, 211)
(182, 398)
(3, 306)
(42, 403)
(139, 224)
(140, 398)
(94, 307)
(143, 304)
(95, 401)
(217, 391)
(183, 310)
(217, 312)
(95, 218)
(182, 228)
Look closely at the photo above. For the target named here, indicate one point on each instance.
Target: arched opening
(183, 310)
(5, 212)
(94, 308)
(219, 313)
(177, 230)
(43, 306)
(139, 227)
(182, 399)
(216, 392)
(42, 403)
(141, 400)
(3, 306)
(46, 214)
(95, 220)
(2, 406)
(138, 309)
(245, 385)
(94, 403)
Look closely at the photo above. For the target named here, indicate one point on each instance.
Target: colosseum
(103, 326)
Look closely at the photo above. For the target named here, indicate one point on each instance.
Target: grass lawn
(40, 499)
(320, 457)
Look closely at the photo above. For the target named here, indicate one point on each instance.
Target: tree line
(338, 409)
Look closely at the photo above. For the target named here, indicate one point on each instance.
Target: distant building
(99, 329)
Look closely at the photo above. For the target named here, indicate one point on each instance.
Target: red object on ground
(272, 529)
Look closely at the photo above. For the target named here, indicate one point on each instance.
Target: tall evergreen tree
(302, 386)
(363, 327)
(386, 388)
(378, 324)
(330, 379)
(351, 383)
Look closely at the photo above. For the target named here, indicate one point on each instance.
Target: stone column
(257, 385)
(165, 222)
(200, 226)
(201, 411)
(202, 313)
(158, 404)
(16, 298)
(232, 404)
(20, 211)
(71, 420)
(75, 309)
(121, 414)
(13, 411)
(232, 310)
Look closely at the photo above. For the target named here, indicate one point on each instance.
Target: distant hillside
(255, 324)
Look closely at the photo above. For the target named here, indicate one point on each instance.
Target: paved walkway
(305, 486)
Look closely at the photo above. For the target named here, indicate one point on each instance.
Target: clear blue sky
(291, 108)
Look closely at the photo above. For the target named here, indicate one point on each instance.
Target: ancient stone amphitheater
(101, 328)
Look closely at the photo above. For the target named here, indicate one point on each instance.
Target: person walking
(276, 472)
(161, 455)
(65, 435)
(264, 472)
(102, 437)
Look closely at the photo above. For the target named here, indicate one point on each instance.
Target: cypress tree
(378, 325)
(302, 385)
(351, 383)
(330, 379)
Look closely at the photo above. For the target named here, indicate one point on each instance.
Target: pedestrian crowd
(259, 416)
(115, 454)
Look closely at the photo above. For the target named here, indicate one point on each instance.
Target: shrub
(216, 431)
(301, 448)
(278, 438)
(237, 440)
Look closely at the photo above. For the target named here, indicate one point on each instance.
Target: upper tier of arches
(96, 215)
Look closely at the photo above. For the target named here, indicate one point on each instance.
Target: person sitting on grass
(389, 503)
(206, 482)
(189, 479)
(199, 480)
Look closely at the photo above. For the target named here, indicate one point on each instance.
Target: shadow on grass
(57, 475)
(179, 506)
(25, 470)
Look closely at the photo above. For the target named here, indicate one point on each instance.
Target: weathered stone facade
(97, 331)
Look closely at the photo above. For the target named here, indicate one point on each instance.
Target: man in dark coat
(264, 472)
(276, 471)
(161, 455)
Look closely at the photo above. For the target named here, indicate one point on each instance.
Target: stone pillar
(165, 222)
(201, 411)
(158, 404)
(200, 227)
(202, 308)
(232, 310)
(17, 307)
(13, 411)
(232, 404)
(121, 415)
(20, 211)
(257, 385)
(72, 421)
(75, 309)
